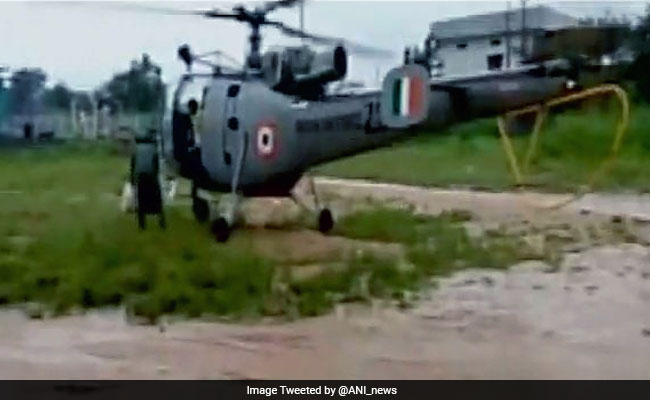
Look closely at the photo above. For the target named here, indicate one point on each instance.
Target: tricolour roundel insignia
(266, 140)
(405, 96)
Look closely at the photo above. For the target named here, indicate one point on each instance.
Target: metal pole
(508, 33)
(523, 28)
(302, 18)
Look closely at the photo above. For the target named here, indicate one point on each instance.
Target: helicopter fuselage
(269, 139)
(277, 137)
(257, 130)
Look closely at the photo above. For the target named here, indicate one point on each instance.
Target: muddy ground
(589, 318)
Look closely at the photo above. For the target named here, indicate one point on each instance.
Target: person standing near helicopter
(144, 177)
(195, 117)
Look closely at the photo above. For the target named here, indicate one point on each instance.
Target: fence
(62, 125)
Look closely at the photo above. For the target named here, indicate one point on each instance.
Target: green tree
(84, 101)
(4, 96)
(59, 97)
(27, 86)
(139, 89)
(640, 43)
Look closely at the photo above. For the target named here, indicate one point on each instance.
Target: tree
(25, 91)
(59, 97)
(640, 43)
(84, 101)
(641, 34)
(139, 89)
(4, 96)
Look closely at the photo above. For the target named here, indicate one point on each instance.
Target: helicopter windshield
(190, 87)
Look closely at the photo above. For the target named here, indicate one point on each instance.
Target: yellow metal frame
(541, 111)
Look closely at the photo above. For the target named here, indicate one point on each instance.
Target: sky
(82, 44)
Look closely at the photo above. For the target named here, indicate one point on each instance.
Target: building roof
(540, 17)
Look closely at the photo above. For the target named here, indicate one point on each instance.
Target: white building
(492, 42)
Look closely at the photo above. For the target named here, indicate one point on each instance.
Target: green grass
(435, 245)
(572, 146)
(65, 245)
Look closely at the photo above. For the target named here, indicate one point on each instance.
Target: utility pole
(73, 115)
(94, 115)
(524, 42)
(508, 34)
(302, 18)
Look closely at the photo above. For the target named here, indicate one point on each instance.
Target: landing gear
(325, 218)
(221, 227)
(200, 206)
(229, 204)
(200, 209)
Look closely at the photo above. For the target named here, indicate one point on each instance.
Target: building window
(461, 46)
(495, 62)
(495, 42)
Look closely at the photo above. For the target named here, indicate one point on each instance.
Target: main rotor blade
(274, 5)
(355, 48)
(216, 13)
(139, 7)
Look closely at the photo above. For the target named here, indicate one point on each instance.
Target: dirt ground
(588, 319)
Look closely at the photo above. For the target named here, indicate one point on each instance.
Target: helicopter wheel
(201, 209)
(325, 220)
(221, 229)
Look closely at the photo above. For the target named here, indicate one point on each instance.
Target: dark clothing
(182, 135)
(148, 194)
(144, 176)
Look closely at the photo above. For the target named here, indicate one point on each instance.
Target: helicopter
(256, 130)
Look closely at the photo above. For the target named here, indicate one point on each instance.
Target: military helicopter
(256, 130)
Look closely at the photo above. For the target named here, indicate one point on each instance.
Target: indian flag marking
(415, 96)
(407, 96)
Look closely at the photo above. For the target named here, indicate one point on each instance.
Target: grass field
(64, 244)
(571, 148)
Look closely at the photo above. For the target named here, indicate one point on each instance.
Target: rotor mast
(255, 19)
